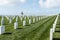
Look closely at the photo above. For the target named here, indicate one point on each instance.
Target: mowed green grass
(34, 31)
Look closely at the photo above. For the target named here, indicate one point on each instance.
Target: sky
(29, 7)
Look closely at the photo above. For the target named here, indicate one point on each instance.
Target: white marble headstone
(25, 17)
(13, 17)
(17, 19)
(33, 20)
(24, 23)
(2, 21)
(51, 34)
(21, 18)
(2, 29)
(7, 17)
(39, 18)
(28, 17)
(15, 25)
(54, 26)
(10, 20)
(29, 21)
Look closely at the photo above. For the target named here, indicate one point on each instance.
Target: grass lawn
(35, 31)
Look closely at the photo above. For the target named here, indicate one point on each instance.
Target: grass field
(35, 31)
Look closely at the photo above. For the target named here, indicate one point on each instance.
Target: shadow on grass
(7, 33)
(27, 25)
(56, 38)
(33, 23)
(19, 28)
(57, 31)
(58, 27)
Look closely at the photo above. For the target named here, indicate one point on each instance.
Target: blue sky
(29, 7)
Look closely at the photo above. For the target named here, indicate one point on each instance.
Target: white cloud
(22, 1)
(3, 2)
(11, 2)
(49, 3)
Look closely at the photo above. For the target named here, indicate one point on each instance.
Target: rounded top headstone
(16, 18)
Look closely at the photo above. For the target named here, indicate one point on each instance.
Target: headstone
(33, 20)
(17, 19)
(56, 19)
(7, 17)
(13, 17)
(21, 18)
(25, 17)
(2, 21)
(29, 21)
(39, 18)
(54, 26)
(10, 20)
(24, 23)
(16, 23)
(28, 17)
(51, 34)
(2, 29)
